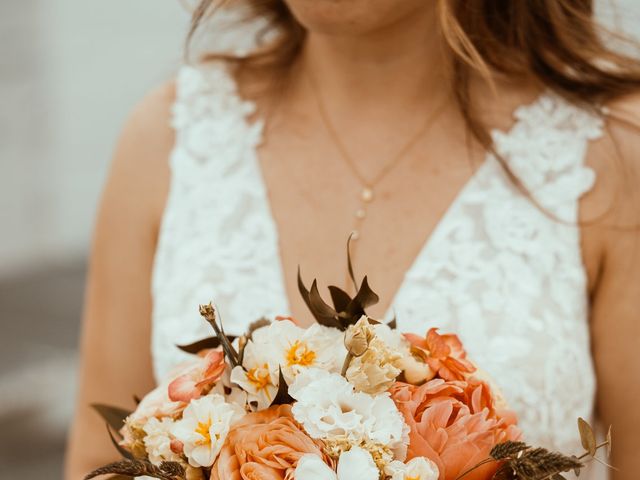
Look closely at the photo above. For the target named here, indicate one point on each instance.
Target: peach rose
(443, 353)
(264, 445)
(199, 378)
(455, 424)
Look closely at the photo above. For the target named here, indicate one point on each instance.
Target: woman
(483, 153)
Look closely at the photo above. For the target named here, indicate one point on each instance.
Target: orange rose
(443, 353)
(455, 424)
(264, 445)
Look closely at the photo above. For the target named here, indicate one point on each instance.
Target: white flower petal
(311, 467)
(357, 463)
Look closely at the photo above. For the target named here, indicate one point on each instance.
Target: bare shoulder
(611, 210)
(615, 158)
(141, 158)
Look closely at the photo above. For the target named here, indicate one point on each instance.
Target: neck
(404, 60)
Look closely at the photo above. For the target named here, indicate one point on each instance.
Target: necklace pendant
(367, 194)
(361, 213)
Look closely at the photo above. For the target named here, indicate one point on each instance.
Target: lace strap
(547, 147)
(210, 119)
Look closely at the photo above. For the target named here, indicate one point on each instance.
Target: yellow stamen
(203, 430)
(299, 354)
(260, 378)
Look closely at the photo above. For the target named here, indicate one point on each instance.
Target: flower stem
(598, 447)
(345, 365)
(478, 465)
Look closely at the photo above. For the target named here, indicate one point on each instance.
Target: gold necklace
(367, 192)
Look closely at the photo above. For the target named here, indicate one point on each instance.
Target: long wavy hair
(554, 42)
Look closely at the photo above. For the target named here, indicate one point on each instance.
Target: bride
(482, 153)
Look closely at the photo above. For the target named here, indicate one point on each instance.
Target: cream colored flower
(284, 346)
(204, 427)
(418, 468)
(329, 409)
(157, 440)
(355, 463)
(375, 370)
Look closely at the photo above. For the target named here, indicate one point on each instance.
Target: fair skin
(365, 59)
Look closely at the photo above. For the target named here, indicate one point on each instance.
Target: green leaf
(282, 396)
(114, 416)
(587, 437)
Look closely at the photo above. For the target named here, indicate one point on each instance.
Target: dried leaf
(608, 439)
(282, 396)
(504, 472)
(306, 296)
(319, 308)
(340, 298)
(205, 344)
(114, 416)
(138, 468)
(209, 314)
(587, 437)
(557, 476)
(539, 463)
(393, 324)
(363, 299)
(507, 449)
(350, 264)
(121, 450)
(120, 477)
(261, 322)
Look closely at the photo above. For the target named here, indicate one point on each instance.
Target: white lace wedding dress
(497, 271)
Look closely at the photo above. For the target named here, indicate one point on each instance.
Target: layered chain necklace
(367, 186)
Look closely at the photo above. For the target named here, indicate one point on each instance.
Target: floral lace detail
(218, 239)
(509, 279)
(504, 275)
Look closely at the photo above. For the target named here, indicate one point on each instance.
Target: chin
(353, 17)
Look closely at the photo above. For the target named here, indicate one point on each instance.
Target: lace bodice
(501, 273)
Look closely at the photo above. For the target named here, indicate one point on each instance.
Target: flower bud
(358, 337)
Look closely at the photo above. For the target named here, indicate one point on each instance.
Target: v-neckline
(258, 125)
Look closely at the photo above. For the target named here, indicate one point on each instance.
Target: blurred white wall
(70, 70)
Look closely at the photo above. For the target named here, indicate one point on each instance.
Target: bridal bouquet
(349, 398)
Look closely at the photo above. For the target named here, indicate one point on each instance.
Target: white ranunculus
(204, 427)
(356, 463)
(283, 345)
(328, 407)
(157, 440)
(418, 468)
(259, 377)
(295, 349)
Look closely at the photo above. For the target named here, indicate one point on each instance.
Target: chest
(315, 196)
(478, 257)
